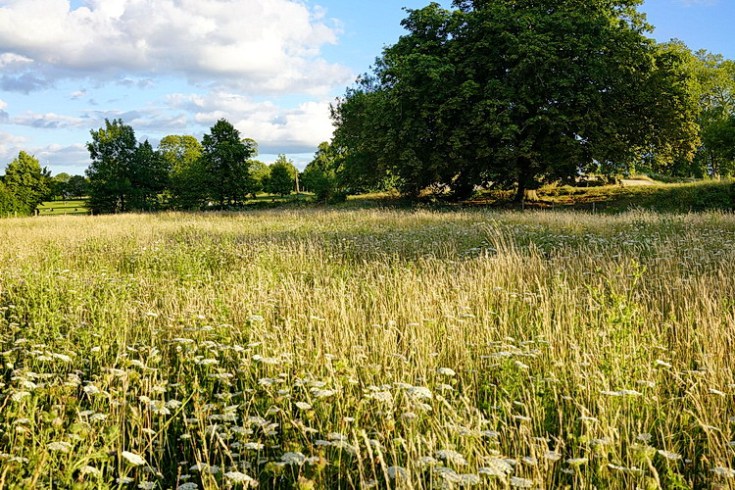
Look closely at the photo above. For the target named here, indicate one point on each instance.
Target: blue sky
(271, 67)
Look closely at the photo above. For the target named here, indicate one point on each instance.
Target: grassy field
(368, 349)
(78, 206)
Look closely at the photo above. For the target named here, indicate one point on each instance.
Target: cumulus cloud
(72, 159)
(10, 145)
(263, 46)
(297, 129)
(49, 120)
(3, 115)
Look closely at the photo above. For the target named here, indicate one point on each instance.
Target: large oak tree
(512, 92)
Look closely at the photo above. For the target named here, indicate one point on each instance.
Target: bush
(10, 205)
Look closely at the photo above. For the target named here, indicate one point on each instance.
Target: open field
(368, 349)
(78, 206)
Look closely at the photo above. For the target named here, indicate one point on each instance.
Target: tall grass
(368, 349)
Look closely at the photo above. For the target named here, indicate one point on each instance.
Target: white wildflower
(323, 393)
(60, 446)
(89, 470)
(451, 456)
(517, 482)
(671, 456)
(419, 393)
(552, 456)
(397, 473)
(445, 371)
(91, 389)
(723, 472)
(293, 458)
(242, 478)
(644, 437)
(133, 458)
(19, 395)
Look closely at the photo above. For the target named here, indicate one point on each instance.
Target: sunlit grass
(78, 206)
(358, 349)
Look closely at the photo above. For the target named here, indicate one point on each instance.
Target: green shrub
(10, 205)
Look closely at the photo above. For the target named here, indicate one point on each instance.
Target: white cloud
(58, 158)
(78, 94)
(49, 120)
(277, 130)
(73, 159)
(9, 147)
(263, 46)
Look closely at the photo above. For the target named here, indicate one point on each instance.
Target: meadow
(356, 348)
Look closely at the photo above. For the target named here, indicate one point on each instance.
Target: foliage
(27, 181)
(259, 174)
(320, 176)
(112, 151)
(58, 186)
(282, 177)
(716, 76)
(225, 156)
(509, 92)
(149, 176)
(9, 204)
(188, 180)
(123, 175)
(77, 186)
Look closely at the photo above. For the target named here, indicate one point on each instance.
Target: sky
(270, 67)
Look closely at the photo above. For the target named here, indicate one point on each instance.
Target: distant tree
(58, 186)
(77, 186)
(123, 176)
(149, 176)
(320, 175)
(9, 205)
(282, 177)
(716, 77)
(188, 181)
(27, 181)
(112, 151)
(225, 156)
(259, 174)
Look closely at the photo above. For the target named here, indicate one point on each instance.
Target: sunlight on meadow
(368, 349)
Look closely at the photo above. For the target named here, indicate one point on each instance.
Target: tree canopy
(320, 175)
(225, 157)
(124, 175)
(514, 92)
(188, 179)
(282, 178)
(27, 182)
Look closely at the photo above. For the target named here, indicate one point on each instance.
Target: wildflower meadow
(340, 349)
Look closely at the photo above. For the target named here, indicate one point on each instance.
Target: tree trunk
(526, 190)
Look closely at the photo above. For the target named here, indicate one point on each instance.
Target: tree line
(515, 93)
(183, 173)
